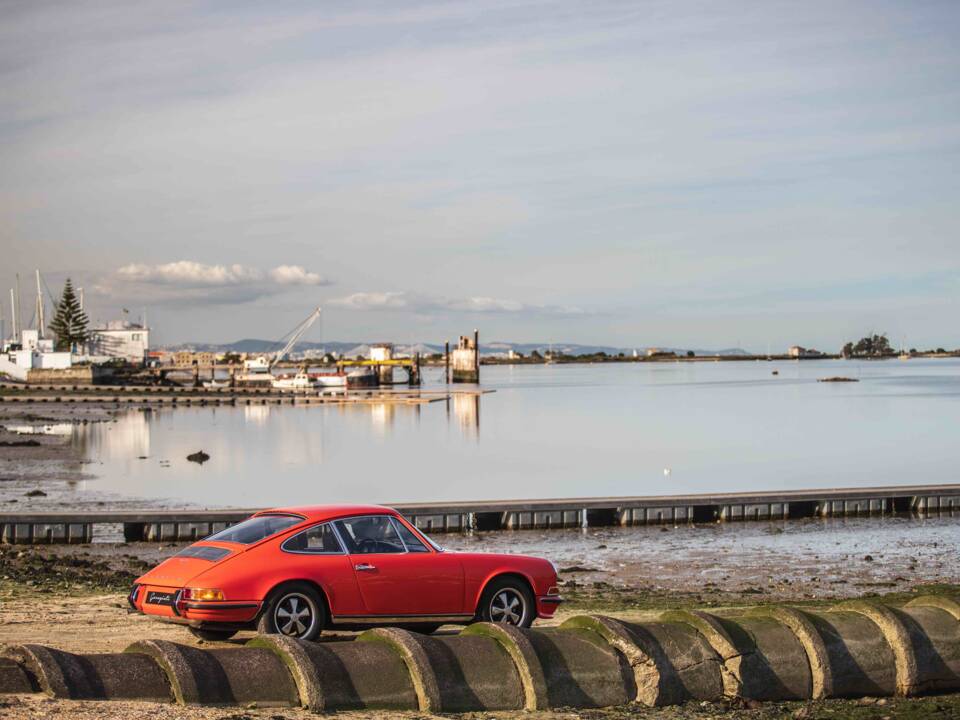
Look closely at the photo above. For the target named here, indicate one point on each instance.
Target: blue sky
(627, 173)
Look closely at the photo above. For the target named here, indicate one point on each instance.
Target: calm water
(554, 431)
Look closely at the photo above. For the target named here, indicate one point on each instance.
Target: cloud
(296, 275)
(190, 274)
(425, 304)
(373, 301)
(189, 282)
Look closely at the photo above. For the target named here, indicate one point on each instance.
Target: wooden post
(447, 362)
(476, 347)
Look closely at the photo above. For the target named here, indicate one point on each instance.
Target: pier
(191, 524)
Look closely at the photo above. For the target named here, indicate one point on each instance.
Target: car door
(399, 575)
(316, 554)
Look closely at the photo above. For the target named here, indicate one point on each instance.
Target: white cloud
(190, 274)
(296, 275)
(187, 282)
(372, 301)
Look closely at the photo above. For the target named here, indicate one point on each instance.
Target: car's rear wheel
(212, 634)
(508, 601)
(295, 610)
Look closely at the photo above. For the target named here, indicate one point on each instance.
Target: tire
(508, 601)
(294, 609)
(211, 634)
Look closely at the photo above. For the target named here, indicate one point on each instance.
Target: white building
(124, 340)
(34, 352)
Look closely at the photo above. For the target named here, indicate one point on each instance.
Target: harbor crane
(264, 363)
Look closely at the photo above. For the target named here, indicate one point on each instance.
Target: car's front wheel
(508, 601)
(295, 610)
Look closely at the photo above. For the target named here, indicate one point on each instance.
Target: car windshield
(256, 528)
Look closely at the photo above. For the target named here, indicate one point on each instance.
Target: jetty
(492, 515)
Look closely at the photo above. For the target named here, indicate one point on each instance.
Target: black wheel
(295, 610)
(212, 634)
(507, 601)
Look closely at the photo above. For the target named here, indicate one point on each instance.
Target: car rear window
(203, 552)
(256, 529)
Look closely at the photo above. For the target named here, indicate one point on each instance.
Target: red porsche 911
(297, 571)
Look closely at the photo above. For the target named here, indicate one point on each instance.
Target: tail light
(203, 595)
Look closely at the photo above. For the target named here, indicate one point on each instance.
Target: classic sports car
(297, 571)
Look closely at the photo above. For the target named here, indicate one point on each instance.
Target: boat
(300, 381)
(362, 377)
(216, 384)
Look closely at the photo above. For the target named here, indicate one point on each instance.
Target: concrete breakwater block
(107, 676)
(344, 675)
(229, 676)
(761, 658)
(672, 663)
(562, 667)
(455, 673)
(13, 678)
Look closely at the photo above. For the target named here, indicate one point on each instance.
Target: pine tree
(70, 322)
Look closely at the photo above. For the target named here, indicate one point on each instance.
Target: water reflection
(466, 410)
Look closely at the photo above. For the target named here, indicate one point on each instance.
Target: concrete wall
(78, 375)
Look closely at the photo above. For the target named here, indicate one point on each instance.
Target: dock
(176, 396)
(193, 524)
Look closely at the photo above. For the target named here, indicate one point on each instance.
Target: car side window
(318, 539)
(369, 534)
(411, 541)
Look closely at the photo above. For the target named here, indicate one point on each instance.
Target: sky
(678, 173)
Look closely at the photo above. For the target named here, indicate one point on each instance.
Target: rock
(868, 558)
(36, 493)
(199, 457)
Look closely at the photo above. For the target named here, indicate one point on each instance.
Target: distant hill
(252, 345)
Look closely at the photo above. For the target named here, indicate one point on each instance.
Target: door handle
(364, 567)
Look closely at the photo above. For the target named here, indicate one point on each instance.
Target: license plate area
(155, 597)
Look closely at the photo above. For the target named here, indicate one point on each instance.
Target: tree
(70, 321)
(872, 345)
(691, 353)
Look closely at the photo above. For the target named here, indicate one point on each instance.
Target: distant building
(797, 351)
(119, 340)
(188, 358)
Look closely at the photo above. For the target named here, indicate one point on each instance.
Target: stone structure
(465, 360)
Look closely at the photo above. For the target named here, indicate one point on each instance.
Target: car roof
(315, 513)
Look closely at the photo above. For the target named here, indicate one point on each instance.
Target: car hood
(180, 569)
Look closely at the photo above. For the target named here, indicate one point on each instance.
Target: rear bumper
(185, 612)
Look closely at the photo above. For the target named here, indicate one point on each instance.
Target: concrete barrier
(344, 675)
(13, 678)
(221, 676)
(107, 676)
(854, 649)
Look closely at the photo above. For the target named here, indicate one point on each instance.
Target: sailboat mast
(13, 317)
(40, 323)
(19, 312)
